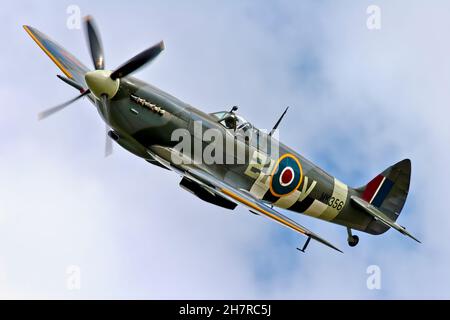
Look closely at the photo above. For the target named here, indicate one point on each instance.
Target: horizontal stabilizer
(380, 216)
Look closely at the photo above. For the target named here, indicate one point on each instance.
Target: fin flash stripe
(377, 190)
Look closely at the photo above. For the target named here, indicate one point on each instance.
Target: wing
(242, 197)
(66, 62)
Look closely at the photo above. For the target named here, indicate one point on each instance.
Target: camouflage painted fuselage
(312, 191)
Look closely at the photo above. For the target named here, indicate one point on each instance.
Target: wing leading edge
(257, 205)
(66, 62)
(242, 197)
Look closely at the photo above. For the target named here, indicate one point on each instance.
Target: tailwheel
(352, 239)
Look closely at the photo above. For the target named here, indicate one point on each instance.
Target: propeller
(47, 113)
(95, 44)
(138, 61)
(101, 83)
(108, 142)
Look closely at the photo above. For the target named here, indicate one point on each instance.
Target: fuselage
(144, 117)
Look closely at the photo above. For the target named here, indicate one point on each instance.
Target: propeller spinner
(105, 84)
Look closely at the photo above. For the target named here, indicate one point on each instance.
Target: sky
(360, 100)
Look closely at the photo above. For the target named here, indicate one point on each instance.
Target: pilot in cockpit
(234, 122)
(230, 121)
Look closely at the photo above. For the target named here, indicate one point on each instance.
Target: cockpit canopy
(232, 121)
(243, 129)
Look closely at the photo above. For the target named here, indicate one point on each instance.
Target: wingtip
(328, 244)
(337, 249)
(405, 232)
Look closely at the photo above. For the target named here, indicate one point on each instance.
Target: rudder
(388, 191)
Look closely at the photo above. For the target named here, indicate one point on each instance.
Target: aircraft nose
(100, 83)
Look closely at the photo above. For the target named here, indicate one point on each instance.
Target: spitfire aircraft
(142, 119)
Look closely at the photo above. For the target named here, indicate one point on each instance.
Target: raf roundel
(286, 176)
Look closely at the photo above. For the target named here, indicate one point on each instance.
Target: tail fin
(388, 190)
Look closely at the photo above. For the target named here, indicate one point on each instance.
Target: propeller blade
(71, 83)
(49, 112)
(138, 61)
(95, 44)
(108, 142)
(104, 102)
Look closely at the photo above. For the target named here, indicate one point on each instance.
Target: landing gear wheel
(353, 241)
